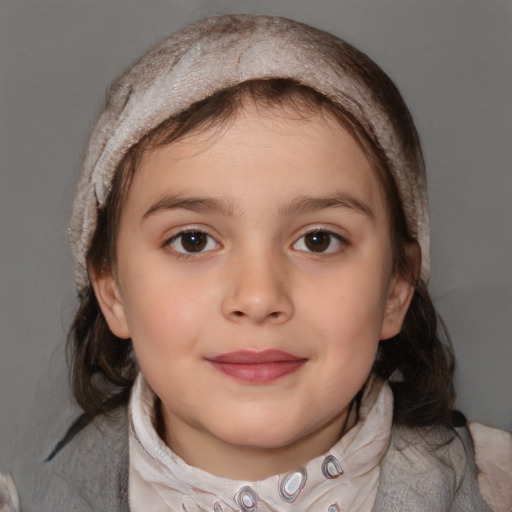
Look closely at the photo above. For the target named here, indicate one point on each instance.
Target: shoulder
(9, 500)
(86, 472)
(493, 454)
(429, 469)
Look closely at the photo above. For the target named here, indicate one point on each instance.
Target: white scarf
(160, 481)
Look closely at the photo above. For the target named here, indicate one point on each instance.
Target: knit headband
(223, 51)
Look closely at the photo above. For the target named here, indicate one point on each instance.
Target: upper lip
(254, 357)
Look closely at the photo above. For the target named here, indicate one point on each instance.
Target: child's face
(254, 276)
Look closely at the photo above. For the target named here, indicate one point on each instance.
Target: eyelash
(204, 242)
(325, 233)
(186, 254)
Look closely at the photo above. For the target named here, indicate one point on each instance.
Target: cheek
(345, 316)
(167, 315)
(348, 306)
(160, 300)
(162, 340)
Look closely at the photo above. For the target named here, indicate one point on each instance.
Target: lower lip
(259, 372)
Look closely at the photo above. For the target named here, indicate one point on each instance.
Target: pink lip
(257, 367)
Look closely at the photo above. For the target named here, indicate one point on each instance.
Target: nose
(257, 291)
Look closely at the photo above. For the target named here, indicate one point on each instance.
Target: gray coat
(423, 470)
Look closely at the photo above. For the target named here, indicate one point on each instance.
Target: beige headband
(220, 52)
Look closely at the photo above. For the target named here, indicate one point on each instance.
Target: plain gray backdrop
(452, 60)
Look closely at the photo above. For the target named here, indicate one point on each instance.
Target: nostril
(238, 314)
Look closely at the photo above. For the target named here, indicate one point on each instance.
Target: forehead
(261, 154)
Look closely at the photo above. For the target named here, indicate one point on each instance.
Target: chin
(266, 435)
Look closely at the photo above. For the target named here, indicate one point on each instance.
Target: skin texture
(255, 188)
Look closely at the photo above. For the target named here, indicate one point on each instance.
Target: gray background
(451, 60)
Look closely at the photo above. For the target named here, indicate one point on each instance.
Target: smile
(257, 367)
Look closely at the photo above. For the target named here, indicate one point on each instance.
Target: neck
(203, 450)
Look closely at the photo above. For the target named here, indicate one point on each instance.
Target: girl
(251, 234)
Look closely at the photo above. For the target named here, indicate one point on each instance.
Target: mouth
(257, 366)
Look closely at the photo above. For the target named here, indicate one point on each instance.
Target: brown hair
(418, 361)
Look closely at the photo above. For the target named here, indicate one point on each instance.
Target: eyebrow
(194, 204)
(310, 204)
(224, 206)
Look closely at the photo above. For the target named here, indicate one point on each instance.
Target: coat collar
(160, 480)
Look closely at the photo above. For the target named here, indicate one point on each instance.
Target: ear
(400, 293)
(109, 300)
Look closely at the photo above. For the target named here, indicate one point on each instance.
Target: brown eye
(189, 242)
(319, 242)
